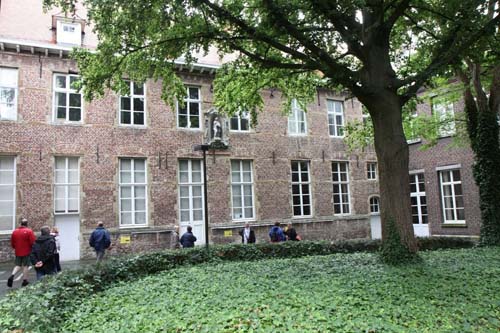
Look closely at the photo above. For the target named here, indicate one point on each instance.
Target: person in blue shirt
(100, 240)
(276, 234)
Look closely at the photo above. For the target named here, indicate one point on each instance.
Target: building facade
(129, 160)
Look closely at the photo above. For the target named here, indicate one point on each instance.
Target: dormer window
(68, 32)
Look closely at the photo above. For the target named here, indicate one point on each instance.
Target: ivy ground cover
(451, 291)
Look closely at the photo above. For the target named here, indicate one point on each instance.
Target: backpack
(274, 236)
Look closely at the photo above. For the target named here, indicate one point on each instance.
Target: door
(69, 236)
(375, 226)
(191, 200)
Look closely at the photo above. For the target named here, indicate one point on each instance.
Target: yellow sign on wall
(125, 239)
(228, 233)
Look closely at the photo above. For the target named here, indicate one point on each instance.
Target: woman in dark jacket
(290, 233)
(188, 239)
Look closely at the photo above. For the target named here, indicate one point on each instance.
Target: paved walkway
(6, 270)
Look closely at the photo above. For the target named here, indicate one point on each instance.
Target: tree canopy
(382, 51)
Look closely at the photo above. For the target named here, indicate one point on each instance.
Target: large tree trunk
(483, 130)
(393, 158)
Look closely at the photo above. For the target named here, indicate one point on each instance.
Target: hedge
(44, 306)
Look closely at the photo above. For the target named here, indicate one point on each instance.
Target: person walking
(276, 234)
(247, 235)
(43, 253)
(21, 240)
(55, 233)
(174, 238)
(188, 239)
(100, 240)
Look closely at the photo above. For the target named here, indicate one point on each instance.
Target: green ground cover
(451, 291)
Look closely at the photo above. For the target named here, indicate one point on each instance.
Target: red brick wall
(99, 142)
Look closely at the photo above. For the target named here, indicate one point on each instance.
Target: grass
(451, 291)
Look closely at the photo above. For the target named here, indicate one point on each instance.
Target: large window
(188, 116)
(7, 193)
(8, 94)
(443, 111)
(451, 196)
(132, 107)
(190, 191)
(301, 189)
(133, 192)
(340, 177)
(335, 117)
(240, 122)
(66, 185)
(67, 101)
(242, 190)
(371, 170)
(297, 124)
(418, 199)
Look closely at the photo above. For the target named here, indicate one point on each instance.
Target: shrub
(47, 304)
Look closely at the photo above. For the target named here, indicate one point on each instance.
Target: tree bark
(393, 159)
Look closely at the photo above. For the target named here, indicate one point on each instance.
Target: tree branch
(447, 53)
(397, 13)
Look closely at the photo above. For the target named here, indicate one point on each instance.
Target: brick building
(129, 160)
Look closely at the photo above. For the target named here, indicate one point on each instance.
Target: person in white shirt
(247, 235)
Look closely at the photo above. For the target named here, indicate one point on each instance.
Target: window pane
(140, 218)
(75, 100)
(60, 99)
(194, 109)
(60, 81)
(6, 177)
(126, 191)
(138, 104)
(140, 204)
(74, 114)
(125, 103)
(125, 117)
(138, 89)
(193, 93)
(140, 191)
(126, 205)
(126, 218)
(6, 193)
(195, 121)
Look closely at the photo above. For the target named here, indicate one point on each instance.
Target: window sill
(189, 129)
(68, 123)
(133, 226)
(127, 126)
(297, 135)
(454, 225)
(67, 213)
(302, 217)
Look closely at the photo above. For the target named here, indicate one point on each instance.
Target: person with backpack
(100, 240)
(276, 234)
(43, 253)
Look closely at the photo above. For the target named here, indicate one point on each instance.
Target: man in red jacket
(22, 240)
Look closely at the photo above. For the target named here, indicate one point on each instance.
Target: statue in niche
(216, 130)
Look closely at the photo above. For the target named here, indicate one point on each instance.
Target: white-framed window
(133, 106)
(374, 205)
(66, 185)
(445, 114)
(301, 189)
(133, 192)
(340, 178)
(335, 117)
(8, 93)
(242, 192)
(189, 115)
(67, 101)
(240, 122)
(452, 196)
(69, 33)
(297, 121)
(418, 199)
(7, 193)
(190, 191)
(371, 170)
